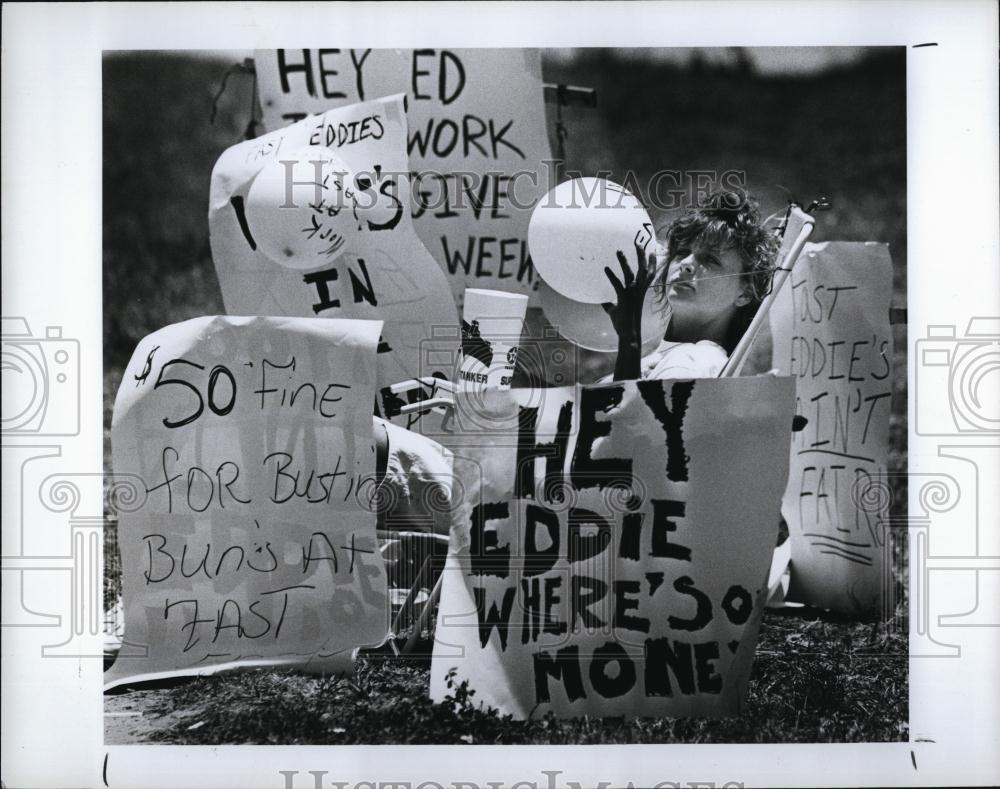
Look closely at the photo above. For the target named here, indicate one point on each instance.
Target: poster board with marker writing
(250, 540)
(610, 545)
(831, 333)
(383, 272)
(478, 144)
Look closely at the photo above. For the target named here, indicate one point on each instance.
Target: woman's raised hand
(626, 312)
(630, 293)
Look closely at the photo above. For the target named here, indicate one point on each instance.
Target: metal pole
(797, 232)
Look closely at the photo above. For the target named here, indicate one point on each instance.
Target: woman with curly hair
(716, 269)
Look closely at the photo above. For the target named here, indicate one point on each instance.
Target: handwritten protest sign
(385, 273)
(611, 545)
(830, 329)
(478, 144)
(251, 541)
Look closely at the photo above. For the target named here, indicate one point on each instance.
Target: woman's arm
(626, 312)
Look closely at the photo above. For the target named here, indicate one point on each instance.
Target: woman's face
(703, 282)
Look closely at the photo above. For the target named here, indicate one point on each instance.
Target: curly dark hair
(727, 218)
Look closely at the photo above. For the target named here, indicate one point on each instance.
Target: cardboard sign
(610, 545)
(830, 329)
(253, 540)
(384, 272)
(478, 144)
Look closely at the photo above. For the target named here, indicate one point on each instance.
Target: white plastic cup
(492, 324)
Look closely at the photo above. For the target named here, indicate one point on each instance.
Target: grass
(840, 134)
(815, 679)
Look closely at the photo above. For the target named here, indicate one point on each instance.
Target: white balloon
(304, 215)
(576, 231)
(589, 326)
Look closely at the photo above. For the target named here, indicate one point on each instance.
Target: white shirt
(703, 359)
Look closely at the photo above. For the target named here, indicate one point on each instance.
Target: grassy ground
(815, 679)
(841, 134)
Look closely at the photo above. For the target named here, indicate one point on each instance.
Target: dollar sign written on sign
(141, 377)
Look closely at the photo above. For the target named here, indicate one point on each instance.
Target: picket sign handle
(425, 614)
(421, 406)
(797, 231)
(402, 617)
(435, 383)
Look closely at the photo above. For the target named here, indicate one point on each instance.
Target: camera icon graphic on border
(968, 369)
(41, 381)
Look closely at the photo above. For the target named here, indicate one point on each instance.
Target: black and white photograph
(593, 388)
(643, 205)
